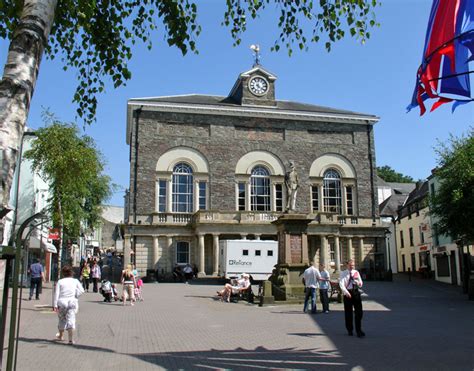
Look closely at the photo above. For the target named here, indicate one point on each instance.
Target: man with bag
(350, 281)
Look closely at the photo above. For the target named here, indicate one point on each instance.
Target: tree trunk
(17, 85)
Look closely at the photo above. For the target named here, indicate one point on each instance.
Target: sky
(375, 78)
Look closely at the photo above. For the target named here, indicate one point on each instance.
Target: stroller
(106, 290)
(138, 290)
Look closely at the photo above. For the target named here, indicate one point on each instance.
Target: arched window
(260, 189)
(332, 191)
(182, 196)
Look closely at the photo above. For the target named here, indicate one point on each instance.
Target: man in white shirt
(324, 283)
(350, 281)
(310, 280)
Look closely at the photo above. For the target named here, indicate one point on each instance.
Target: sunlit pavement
(409, 325)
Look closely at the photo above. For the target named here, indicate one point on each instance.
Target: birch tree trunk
(18, 83)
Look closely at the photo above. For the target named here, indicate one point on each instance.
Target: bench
(246, 295)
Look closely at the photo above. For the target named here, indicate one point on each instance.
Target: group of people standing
(350, 281)
(90, 272)
(315, 279)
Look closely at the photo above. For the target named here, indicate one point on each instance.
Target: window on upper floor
(260, 179)
(182, 176)
(315, 198)
(410, 234)
(260, 196)
(435, 235)
(202, 196)
(279, 197)
(161, 196)
(332, 199)
(349, 201)
(402, 242)
(182, 188)
(242, 194)
(422, 234)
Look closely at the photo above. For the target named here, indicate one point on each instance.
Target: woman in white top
(66, 304)
(229, 289)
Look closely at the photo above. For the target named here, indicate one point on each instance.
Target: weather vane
(256, 53)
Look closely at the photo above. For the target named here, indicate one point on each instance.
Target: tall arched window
(332, 191)
(182, 196)
(260, 189)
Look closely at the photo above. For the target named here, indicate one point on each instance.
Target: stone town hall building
(206, 168)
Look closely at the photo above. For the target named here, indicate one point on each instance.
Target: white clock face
(258, 85)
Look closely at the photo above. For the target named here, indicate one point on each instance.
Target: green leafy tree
(453, 202)
(390, 175)
(96, 38)
(73, 168)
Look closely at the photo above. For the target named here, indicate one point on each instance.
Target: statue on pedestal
(291, 182)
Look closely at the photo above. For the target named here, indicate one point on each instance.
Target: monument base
(287, 284)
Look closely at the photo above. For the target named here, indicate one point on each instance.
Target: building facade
(208, 168)
(447, 257)
(391, 197)
(413, 232)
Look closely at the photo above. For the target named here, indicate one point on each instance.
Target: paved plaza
(409, 325)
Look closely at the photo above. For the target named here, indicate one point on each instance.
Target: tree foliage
(453, 202)
(72, 166)
(96, 37)
(390, 175)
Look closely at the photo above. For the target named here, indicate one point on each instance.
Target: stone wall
(223, 140)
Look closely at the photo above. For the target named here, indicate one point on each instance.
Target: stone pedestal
(292, 257)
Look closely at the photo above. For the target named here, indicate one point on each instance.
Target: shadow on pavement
(64, 343)
(408, 326)
(244, 359)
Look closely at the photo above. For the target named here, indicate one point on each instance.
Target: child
(106, 290)
(138, 290)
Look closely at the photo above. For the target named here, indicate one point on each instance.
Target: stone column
(201, 273)
(350, 251)
(323, 258)
(169, 248)
(337, 254)
(361, 251)
(313, 256)
(169, 196)
(243, 236)
(196, 195)
(155, 253)
(215, 242)
(127, 248)
(257, 237)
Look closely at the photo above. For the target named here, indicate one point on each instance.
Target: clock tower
(255, 87)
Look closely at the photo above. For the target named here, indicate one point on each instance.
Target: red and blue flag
(444, 73)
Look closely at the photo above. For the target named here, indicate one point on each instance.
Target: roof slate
(220, 101)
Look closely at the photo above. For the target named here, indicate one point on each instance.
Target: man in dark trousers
(350, 282)
(36, 278)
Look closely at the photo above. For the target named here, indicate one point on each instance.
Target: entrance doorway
(454, 271)
(413, 263)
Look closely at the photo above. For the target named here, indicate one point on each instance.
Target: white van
(255, 257)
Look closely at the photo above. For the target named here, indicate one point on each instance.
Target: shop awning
(37, 243)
